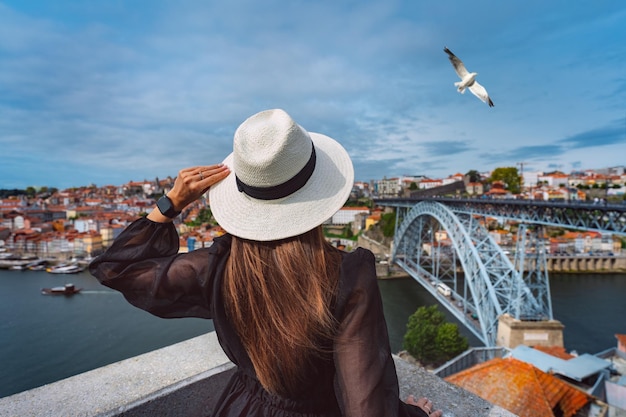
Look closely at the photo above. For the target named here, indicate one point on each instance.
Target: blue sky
(113, 91)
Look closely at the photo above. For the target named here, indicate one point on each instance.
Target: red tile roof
(520, 388)
(362, 208)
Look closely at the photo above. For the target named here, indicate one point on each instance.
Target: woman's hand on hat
(426, 405)
(191, 183)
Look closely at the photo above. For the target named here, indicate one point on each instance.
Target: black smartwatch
(166, 207)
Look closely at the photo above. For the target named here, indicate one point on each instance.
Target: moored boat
(38, 265)
(16, 262)
(67, 289)
(65, 269)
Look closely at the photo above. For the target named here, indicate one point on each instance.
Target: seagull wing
(480, 92)
(458, 65)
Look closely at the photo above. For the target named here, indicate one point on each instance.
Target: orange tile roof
(497, 191)
(575, 235)
(621, 338)
(556, 351)
(520, 388)
(557, 175)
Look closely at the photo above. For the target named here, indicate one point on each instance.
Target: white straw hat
(284, 180)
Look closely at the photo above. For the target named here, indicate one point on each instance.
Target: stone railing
(186, 379)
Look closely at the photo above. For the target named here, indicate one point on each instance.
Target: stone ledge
(119, 384)
(186, 379)
(453, 400)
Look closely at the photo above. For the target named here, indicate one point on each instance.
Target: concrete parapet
(186, 379)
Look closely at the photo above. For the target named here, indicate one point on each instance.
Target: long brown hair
(278, 297)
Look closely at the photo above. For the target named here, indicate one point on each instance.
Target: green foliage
(556, 232)
(204, 216)
(360, 202)
(413, 186)
(450, 342)
(331, 235)
(4, 193)
(474, 176)
(29, 191)
(388, 224)
(509, 176)
(430, 339)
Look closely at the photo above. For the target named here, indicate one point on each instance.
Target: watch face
(166, 208)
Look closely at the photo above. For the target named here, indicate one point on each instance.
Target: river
(47, 338)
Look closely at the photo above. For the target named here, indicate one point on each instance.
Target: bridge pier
(513, 332)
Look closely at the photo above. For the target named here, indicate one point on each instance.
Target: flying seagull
(468, 79)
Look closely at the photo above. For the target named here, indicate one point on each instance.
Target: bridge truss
(604, 218)
(453, 256)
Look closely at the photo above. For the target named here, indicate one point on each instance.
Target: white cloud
(122, 91)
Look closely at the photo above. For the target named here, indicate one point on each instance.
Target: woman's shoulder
(358, 281)
(358, 266)
(358, 256)
(221, 244)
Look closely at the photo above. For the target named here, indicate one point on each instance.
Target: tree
(204, 216)
(473, 175)
(509, 176)
(430, 339)
(413, 186)
(388, 223)
(450, 342)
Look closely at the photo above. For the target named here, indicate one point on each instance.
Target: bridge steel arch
(491, 285)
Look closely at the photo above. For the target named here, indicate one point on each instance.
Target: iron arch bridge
(471, 275)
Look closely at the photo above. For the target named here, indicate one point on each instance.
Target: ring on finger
(201, 176)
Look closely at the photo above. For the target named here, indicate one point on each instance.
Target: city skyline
(103, 93)
(400, 178)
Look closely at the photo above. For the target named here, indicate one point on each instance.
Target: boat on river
(65, 269)
(37, 265)
(67, 289)
(13, 262)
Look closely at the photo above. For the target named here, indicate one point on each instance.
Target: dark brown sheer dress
(358, 379)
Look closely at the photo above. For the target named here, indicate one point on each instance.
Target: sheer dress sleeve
(366, 382)
(144, 265)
